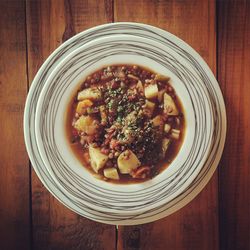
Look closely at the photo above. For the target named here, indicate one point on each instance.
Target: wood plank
(234, 65)
(14, 171)
(49, 24)
(196, 225)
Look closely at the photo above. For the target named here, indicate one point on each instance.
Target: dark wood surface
(218, 218)
(234, 76)
(14, 165)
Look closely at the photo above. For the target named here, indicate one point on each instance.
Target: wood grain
(234, 65)
(14, 170)
(46, 223)
(49, 23)
(196, 225)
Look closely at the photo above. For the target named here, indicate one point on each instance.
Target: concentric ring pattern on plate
(210, 84)
(134, 198)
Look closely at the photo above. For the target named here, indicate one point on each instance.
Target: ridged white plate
(63, 175)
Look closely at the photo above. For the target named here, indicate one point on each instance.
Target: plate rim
(38, 120)
(31, 90)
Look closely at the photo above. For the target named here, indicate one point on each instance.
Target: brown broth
(78, 150)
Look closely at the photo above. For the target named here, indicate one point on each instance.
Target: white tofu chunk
(127, 161)
(97, 158)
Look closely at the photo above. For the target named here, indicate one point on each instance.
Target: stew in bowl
(126, 123)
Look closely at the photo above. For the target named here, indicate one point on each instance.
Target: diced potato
(111, 173)
(175, 134)
(165, 145)
(80, 124)
(158, 121)
(149, 108)
(161, 77)
(93, 94)
(169, 105)
(127, 161)
(133, 77)
(139, 86)
(83, 105)
(97, 158)
(167, 128)
(160, 95)
(151, 91)
(99, 176)
(150, 105)
(87, 124)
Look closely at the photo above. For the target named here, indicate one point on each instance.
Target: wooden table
(218, 218)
